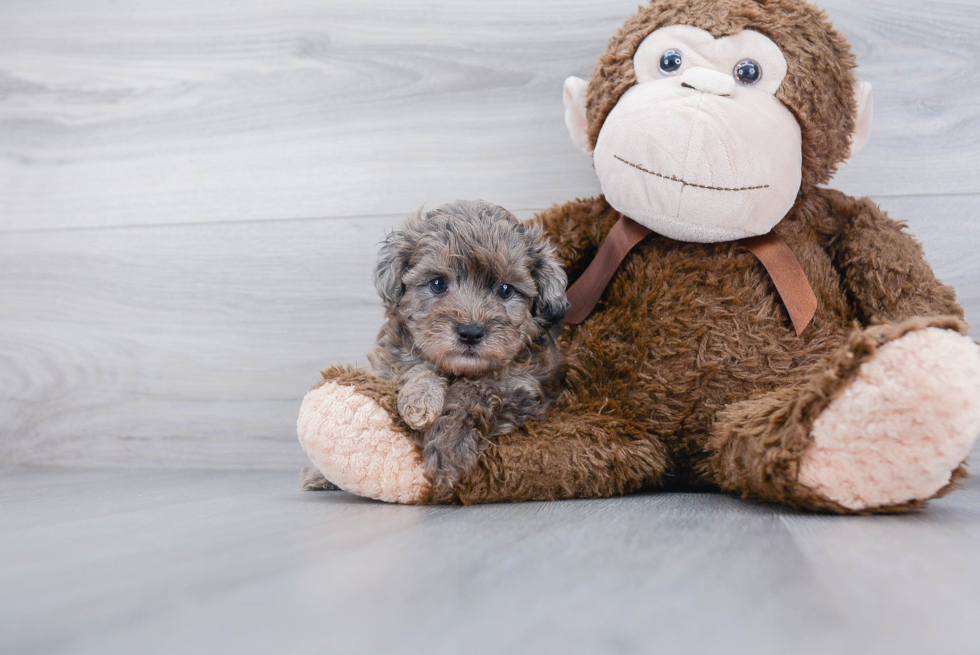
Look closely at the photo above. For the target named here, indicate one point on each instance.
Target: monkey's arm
(570, 454)
(576, 228)
(352, 431)
(883, 268)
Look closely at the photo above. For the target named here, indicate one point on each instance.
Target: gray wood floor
(191, 197)
(117, 561)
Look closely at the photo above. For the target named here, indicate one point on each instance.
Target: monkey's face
(706, 120)
(700, 149)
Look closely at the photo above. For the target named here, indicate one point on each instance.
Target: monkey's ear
(392, 263)
(862, 124)
(578, 127)
(865, 110)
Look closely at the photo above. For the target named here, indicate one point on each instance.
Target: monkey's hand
(421, 398)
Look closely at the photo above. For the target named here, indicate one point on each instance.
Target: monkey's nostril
(471, 334)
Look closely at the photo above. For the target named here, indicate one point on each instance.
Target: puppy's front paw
(420, 401)
(451, 449)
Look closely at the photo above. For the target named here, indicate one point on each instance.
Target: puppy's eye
(438, 286)
(670, 62)
(747, 72)
(505, 291)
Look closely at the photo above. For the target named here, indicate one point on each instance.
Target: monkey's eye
(438, 286)
(747, 72)
(505, 291)
(670, 62)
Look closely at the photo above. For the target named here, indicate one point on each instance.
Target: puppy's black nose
(470, 334)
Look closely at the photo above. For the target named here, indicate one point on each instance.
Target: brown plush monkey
(711, 123)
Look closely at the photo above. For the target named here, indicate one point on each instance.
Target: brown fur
(689, 369)
(456, 394)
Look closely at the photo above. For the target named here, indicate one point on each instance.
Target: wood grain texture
(192, 193)
(134, 113)
(922, 60)
(182, 345)
(193, 345)
(239, 562)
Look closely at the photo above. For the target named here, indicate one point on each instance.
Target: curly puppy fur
(473, 301)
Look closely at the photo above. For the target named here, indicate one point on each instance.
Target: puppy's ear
(393, 261)
(550, 305)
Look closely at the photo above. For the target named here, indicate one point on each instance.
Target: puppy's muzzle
(471, 335)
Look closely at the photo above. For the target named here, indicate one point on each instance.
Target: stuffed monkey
(733, 324)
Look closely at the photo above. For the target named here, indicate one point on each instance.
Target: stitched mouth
(674, 178)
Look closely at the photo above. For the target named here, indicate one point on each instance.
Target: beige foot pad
(353, 443)
(902, 426)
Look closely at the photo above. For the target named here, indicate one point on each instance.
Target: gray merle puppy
(473, 302)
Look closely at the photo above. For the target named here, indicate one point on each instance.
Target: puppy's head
(471, 284)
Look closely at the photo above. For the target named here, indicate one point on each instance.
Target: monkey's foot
(900, 431)
(357, 446)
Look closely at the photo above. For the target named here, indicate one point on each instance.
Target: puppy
(473, 302)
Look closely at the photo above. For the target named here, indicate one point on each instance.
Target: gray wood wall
(192, 192)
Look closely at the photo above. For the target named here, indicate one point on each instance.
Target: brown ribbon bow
(780, 262)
